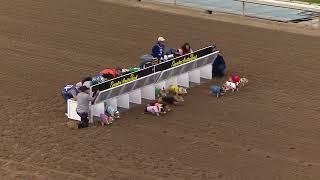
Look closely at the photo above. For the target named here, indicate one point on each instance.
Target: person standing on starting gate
(185, 49)
(157, 50)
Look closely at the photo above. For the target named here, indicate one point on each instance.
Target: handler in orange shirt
(110, 73)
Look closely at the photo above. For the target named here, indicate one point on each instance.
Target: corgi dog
(230, 86)
(155, 109)
(217, 90)
(105, 119)
(243, 81)
(177, 90)
(235, 79)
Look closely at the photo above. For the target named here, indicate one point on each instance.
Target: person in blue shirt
(158, 49)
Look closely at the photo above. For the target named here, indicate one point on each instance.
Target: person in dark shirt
(218, 66)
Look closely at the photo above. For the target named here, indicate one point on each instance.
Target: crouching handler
(83, 106)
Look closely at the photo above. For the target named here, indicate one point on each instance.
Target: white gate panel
(183, 80)
(72, 113)
(97, 109)
(194, 76)
(160, 85)
(206, 71)
(123, 101)
(135, 96)
(112, 102)
(148, 92)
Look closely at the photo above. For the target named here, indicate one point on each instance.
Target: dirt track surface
(267, 130)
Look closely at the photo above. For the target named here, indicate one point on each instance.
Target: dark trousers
(218, 70)
(84, 120)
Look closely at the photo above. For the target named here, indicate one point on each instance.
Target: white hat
(161, 39)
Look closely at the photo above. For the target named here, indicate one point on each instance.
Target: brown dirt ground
(267, 130)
